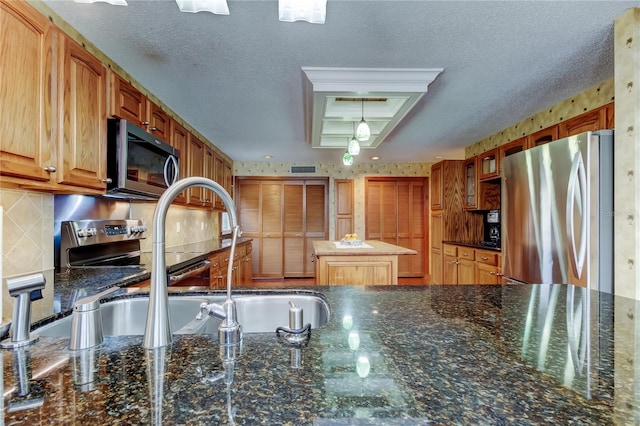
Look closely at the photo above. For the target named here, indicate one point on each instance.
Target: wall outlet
(177, 226)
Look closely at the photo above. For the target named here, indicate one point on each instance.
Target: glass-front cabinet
(471, 183)
(489, 164)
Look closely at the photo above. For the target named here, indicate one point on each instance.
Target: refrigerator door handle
(577, 337)
(577, 179)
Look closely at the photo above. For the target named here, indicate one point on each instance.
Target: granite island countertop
(437, 355)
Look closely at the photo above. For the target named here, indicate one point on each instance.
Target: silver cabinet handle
(50, 169)
(107, 180)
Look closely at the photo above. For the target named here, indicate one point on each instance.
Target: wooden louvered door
(294, 229)
(395, 214)
(283, 217)
(316, 220)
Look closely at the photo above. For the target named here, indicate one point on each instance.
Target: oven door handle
(194, 270)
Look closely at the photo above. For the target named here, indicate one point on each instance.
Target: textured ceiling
(238, 78)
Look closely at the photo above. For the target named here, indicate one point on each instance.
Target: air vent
(303, 169)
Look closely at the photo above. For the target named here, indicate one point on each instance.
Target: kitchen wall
(592, 98)
(28, 233)
(27, 244)
(357, 172)
(627, 156)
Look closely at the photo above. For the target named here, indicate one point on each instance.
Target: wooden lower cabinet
(488, 267)
(467, 265)
(459, 265)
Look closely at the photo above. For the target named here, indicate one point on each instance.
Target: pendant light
(363, 132)
(347, 159)
(354, 145)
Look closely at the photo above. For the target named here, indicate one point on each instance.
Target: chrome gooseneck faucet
(158, 330)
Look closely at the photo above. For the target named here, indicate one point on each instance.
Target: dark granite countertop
(438, 354)
(73, 284)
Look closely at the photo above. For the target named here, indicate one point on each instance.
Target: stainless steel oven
(111, 243)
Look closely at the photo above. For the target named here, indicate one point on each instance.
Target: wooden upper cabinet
(132, 105)
(159, 122)
(597, 119)
(513, 147)
(489, 164)
(179, 139)
(82, 151)
(127, 102)
(471, 183)
(209, 172)
(27, 126)
(195, 158)
(436, 186)
(543, 136)
(218, 169)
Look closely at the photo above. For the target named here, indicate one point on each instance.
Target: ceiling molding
(388, 95)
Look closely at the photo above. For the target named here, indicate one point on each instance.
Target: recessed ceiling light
(375, 158)
(438, 157)
(268, 157)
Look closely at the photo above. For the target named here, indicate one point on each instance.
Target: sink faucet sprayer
(158, 330)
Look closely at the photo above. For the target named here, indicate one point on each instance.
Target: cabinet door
(28, 88)
(466, 271)
(512, 147)
(437, 226)
(209, 172)
(227, 177)
(543, 136)
(487, 274)
(471, 183)
(179, 139)
(436, 266)
(82, 153)
(450, 270)
(196, 158)
(219, 178)
(127, 102)
(436, 187)
(489, 164)
(159, 122)
(589, 121)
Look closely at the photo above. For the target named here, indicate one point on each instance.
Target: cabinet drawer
(466, 253)
(487, 257)
(449, 250)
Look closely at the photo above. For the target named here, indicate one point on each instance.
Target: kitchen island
(368, 263)
(436, 355)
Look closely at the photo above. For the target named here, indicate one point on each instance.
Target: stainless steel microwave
(139, 165)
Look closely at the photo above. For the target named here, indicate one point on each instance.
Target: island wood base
(357, 266)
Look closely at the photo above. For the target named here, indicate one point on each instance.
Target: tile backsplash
(27, 244)
(28, 238)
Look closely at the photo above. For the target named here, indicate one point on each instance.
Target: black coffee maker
(492, 229)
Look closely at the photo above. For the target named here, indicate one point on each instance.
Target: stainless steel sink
(259, 313)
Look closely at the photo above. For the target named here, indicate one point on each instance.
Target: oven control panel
(79, 233)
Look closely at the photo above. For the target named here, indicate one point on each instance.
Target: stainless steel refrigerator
(557, 212)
